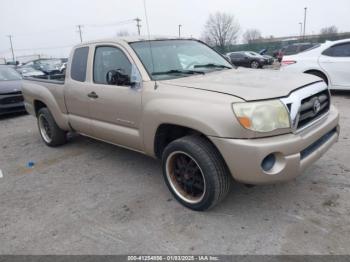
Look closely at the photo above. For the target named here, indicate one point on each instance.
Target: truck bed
(56, 79)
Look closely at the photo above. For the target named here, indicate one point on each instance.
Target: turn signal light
(245, 121)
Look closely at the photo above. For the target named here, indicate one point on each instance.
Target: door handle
(92, 95)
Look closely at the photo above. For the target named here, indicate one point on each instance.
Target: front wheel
(51, 134)
(254, 64)
(195, 172)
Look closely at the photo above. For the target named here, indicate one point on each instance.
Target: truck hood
(248, 84)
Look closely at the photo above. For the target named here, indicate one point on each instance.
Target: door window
(341, 50)
(111, 60)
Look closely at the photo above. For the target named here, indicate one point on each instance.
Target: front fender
(211, 119)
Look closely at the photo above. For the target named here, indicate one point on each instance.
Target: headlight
(264, 116)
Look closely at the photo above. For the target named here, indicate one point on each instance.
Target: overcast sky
(49, 26)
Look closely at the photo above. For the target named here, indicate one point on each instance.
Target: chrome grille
(307, 105)
(313, 107)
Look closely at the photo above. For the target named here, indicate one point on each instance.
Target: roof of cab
(131, 39)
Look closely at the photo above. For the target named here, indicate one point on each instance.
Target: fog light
(268, 162)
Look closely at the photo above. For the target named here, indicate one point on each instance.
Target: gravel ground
(89, 197)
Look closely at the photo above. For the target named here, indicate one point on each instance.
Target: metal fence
(275, 44)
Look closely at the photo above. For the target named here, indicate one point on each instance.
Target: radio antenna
(149, 41)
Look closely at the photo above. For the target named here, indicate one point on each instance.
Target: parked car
(48, 66)
(27, 71)
(292, 50)
(11, 99)
(12, 63)
(329, 61)
(247, 59)
(206, 122)
(269, 59)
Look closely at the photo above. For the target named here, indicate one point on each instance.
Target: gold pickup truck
(182, 102)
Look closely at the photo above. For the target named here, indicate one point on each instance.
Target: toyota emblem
(317, 106)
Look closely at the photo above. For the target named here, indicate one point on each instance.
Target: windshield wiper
(175, 71)
(212, 65)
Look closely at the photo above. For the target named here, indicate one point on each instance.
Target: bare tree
(221, 29)
(251, 35)
(122, 33)
(330, 30)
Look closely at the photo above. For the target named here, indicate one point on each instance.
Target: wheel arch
(167, 132)
(52, 106)
(319, 71)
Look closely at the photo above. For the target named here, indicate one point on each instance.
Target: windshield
(9, 74)
(178, 58)
(51, 62)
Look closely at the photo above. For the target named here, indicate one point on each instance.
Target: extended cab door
(76, 90)
(336, 62)
(115, 102)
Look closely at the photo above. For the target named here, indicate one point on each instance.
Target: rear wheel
(195, 172)
(51, 134)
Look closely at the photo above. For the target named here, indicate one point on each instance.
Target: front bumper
(294, 152)
(12, 108)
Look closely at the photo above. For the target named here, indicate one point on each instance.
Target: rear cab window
(79, 63)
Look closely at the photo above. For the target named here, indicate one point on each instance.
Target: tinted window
(305, 47)
(290, 50)
(110, 58)
(236, 56)
(341, 50)
(79, 62)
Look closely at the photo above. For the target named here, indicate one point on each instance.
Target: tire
(254, 64)
(319, 74)
(211, 169)
(49, 131)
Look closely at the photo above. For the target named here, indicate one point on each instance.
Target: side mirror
(116, 77)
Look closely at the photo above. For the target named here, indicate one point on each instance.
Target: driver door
(115, 108)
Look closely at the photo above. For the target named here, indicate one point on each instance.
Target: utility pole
(301, 30)
(305, 9)
(80, 33)
(13, 53)
(138, 25)
(179, 31)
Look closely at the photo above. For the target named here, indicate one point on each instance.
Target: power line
(123, 22)
(69, 28)
(45, 48)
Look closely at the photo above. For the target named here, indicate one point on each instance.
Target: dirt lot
(89, 197)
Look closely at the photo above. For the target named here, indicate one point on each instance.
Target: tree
(330, 30)
(221, 29)
(251, 35)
